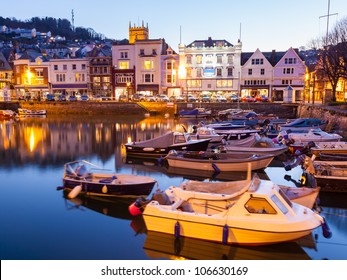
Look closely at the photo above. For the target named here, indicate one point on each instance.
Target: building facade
(210, 67)
(144, 65)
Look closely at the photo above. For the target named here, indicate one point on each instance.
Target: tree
(332, 55)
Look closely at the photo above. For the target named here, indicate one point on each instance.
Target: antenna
(73, 20)
(240, 33)
(180, 34)
(328, 15)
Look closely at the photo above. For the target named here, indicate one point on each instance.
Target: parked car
(50, 97)
(61, 97)
(219, 98)
(163, 98)
(248, 98)
(232, 97)
(150, 98)
(84, 98)
(138, 97)
(176, 98)
(122, 98)
(262, 98)
(72, 98)
(205, 98)
(191, 98)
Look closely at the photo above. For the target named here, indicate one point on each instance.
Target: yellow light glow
(182, 71)
(129, 139)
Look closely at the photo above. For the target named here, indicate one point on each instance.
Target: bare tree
(332, 55)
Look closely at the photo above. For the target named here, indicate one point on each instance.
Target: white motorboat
(262, 214)
(232, 190)
(315, 135)
(204, 132)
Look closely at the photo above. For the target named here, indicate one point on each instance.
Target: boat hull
(194, 226)
(136, 151)
(110, 189)
(229, 164)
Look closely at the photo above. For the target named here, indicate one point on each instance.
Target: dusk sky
(266, 24)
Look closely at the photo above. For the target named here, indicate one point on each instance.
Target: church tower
(138, 33)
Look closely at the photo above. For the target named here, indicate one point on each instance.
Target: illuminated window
(199, 59)
(148, 65)
(123, 65)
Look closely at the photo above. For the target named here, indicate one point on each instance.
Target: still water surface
(39, 223)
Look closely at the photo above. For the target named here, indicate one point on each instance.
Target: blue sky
(266, 24)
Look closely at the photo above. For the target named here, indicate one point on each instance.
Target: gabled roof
(209, 43)
(273, 57)
(4, 65)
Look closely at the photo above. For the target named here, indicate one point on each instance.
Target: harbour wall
(336, 116)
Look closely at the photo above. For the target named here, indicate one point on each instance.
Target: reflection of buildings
(48, 141)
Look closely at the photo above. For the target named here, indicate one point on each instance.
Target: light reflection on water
(38, 222)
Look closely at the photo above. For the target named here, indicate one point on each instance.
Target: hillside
(58, 26)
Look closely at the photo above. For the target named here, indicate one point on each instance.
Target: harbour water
(38, 222)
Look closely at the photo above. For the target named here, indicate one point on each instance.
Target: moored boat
(315, 135)
(260, 145)
(83, 177)
(262, 215)
(160, 146)
(303, 125)
(195, 113)
(7, 114)
(232, 190)
(27, 112)
(339, 147)
(218, 161)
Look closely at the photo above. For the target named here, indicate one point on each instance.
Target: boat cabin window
(179, 139)
(285, 197)
(259, 205)
(279, 204)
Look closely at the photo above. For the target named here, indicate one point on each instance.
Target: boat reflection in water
(112, 207)
(166, 246)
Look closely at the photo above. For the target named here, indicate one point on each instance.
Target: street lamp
(128, 87)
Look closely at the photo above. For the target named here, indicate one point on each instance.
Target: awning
(147, 87)
(68, 86)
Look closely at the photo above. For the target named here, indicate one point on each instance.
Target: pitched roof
(4, 65)
(273, 57)
(209, 43)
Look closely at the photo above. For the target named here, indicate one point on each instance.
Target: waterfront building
(289, 75)
(6, 78)
(210, 67)
(257, 73)
(144, 65)
(279, 76)
(31, 71)
(69, 76)
(100, 72)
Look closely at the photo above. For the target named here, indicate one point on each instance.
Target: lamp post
(128, 87)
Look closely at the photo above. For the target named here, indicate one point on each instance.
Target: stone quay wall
(335, 116)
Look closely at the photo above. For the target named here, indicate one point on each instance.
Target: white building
(210, 66)
(256, 74)
(69, 76)
(289, 73)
